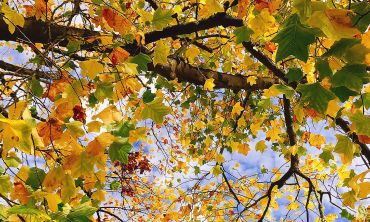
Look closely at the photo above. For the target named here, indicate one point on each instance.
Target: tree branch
(24, 72)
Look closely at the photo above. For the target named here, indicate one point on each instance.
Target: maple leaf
(209, 84)
(12, 18)
(161, 52)
(294, 39)
(116, 21)
(161, 18)
(155, 110)
(316, 96)
(118, 55)
(346, 148)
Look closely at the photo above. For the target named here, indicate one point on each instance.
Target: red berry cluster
(79, 113)
(135, 163)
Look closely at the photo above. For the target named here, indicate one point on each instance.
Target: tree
(184, 110)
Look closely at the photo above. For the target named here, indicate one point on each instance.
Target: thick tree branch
(187, 73)
(218, 19)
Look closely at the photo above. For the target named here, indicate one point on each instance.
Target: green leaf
(365, 99)
(148, 96)
(322, 66)
(316, 96)
(36, 87)
(123, 129)
(326, 155)
(350, 76)
(361, 18)
(119, 150)
(73, 46)
(344, 214)
(242, 34)
(5, 184)
(82, 210)
(155, 110)
(92, 100)
(346, 148)
(294, 39)
(294, 75)
(25, 210)
(161, 18)
(361, 123)
(104, 90)
(142, 61)
(303, 7)
(339, 48)
(114, 185)
(196, 170)
(19, 48)
(343, 93)
(35, 177)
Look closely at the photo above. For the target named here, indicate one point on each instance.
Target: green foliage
(294, 39)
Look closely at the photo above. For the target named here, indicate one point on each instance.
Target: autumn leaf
(12, 18)
(116, 21)
(155, 110)
(161, 52)
(346, 148)
(294, 39)
(209, 84)
(315, 96)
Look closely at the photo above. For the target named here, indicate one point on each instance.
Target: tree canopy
(184, 110)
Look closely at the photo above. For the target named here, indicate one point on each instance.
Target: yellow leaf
(137, 134)
(53, 201)
(208, 85)
(216, 170)
(335, 23)
(99, 195)
(316, 140)
(252, 80)
(91, 68)
(261, 146)
(349, 199)
(12, 18)
(364, 189)
(293, 150)
(191, 53)
(18, 134)
(293, 206)
(109, 115)
(243, 149)
(263, 24)
(333, 108)
(161, 51)
(75, 128)
(16, 109)
(211, 7)
(219, 158)
(53, 179)
(94, 126)
(237, 109)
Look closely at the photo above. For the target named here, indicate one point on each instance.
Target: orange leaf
(21, 192)
(118, 55)
(115, 21)
(364, 139)
(50, 130)
(242, 8)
